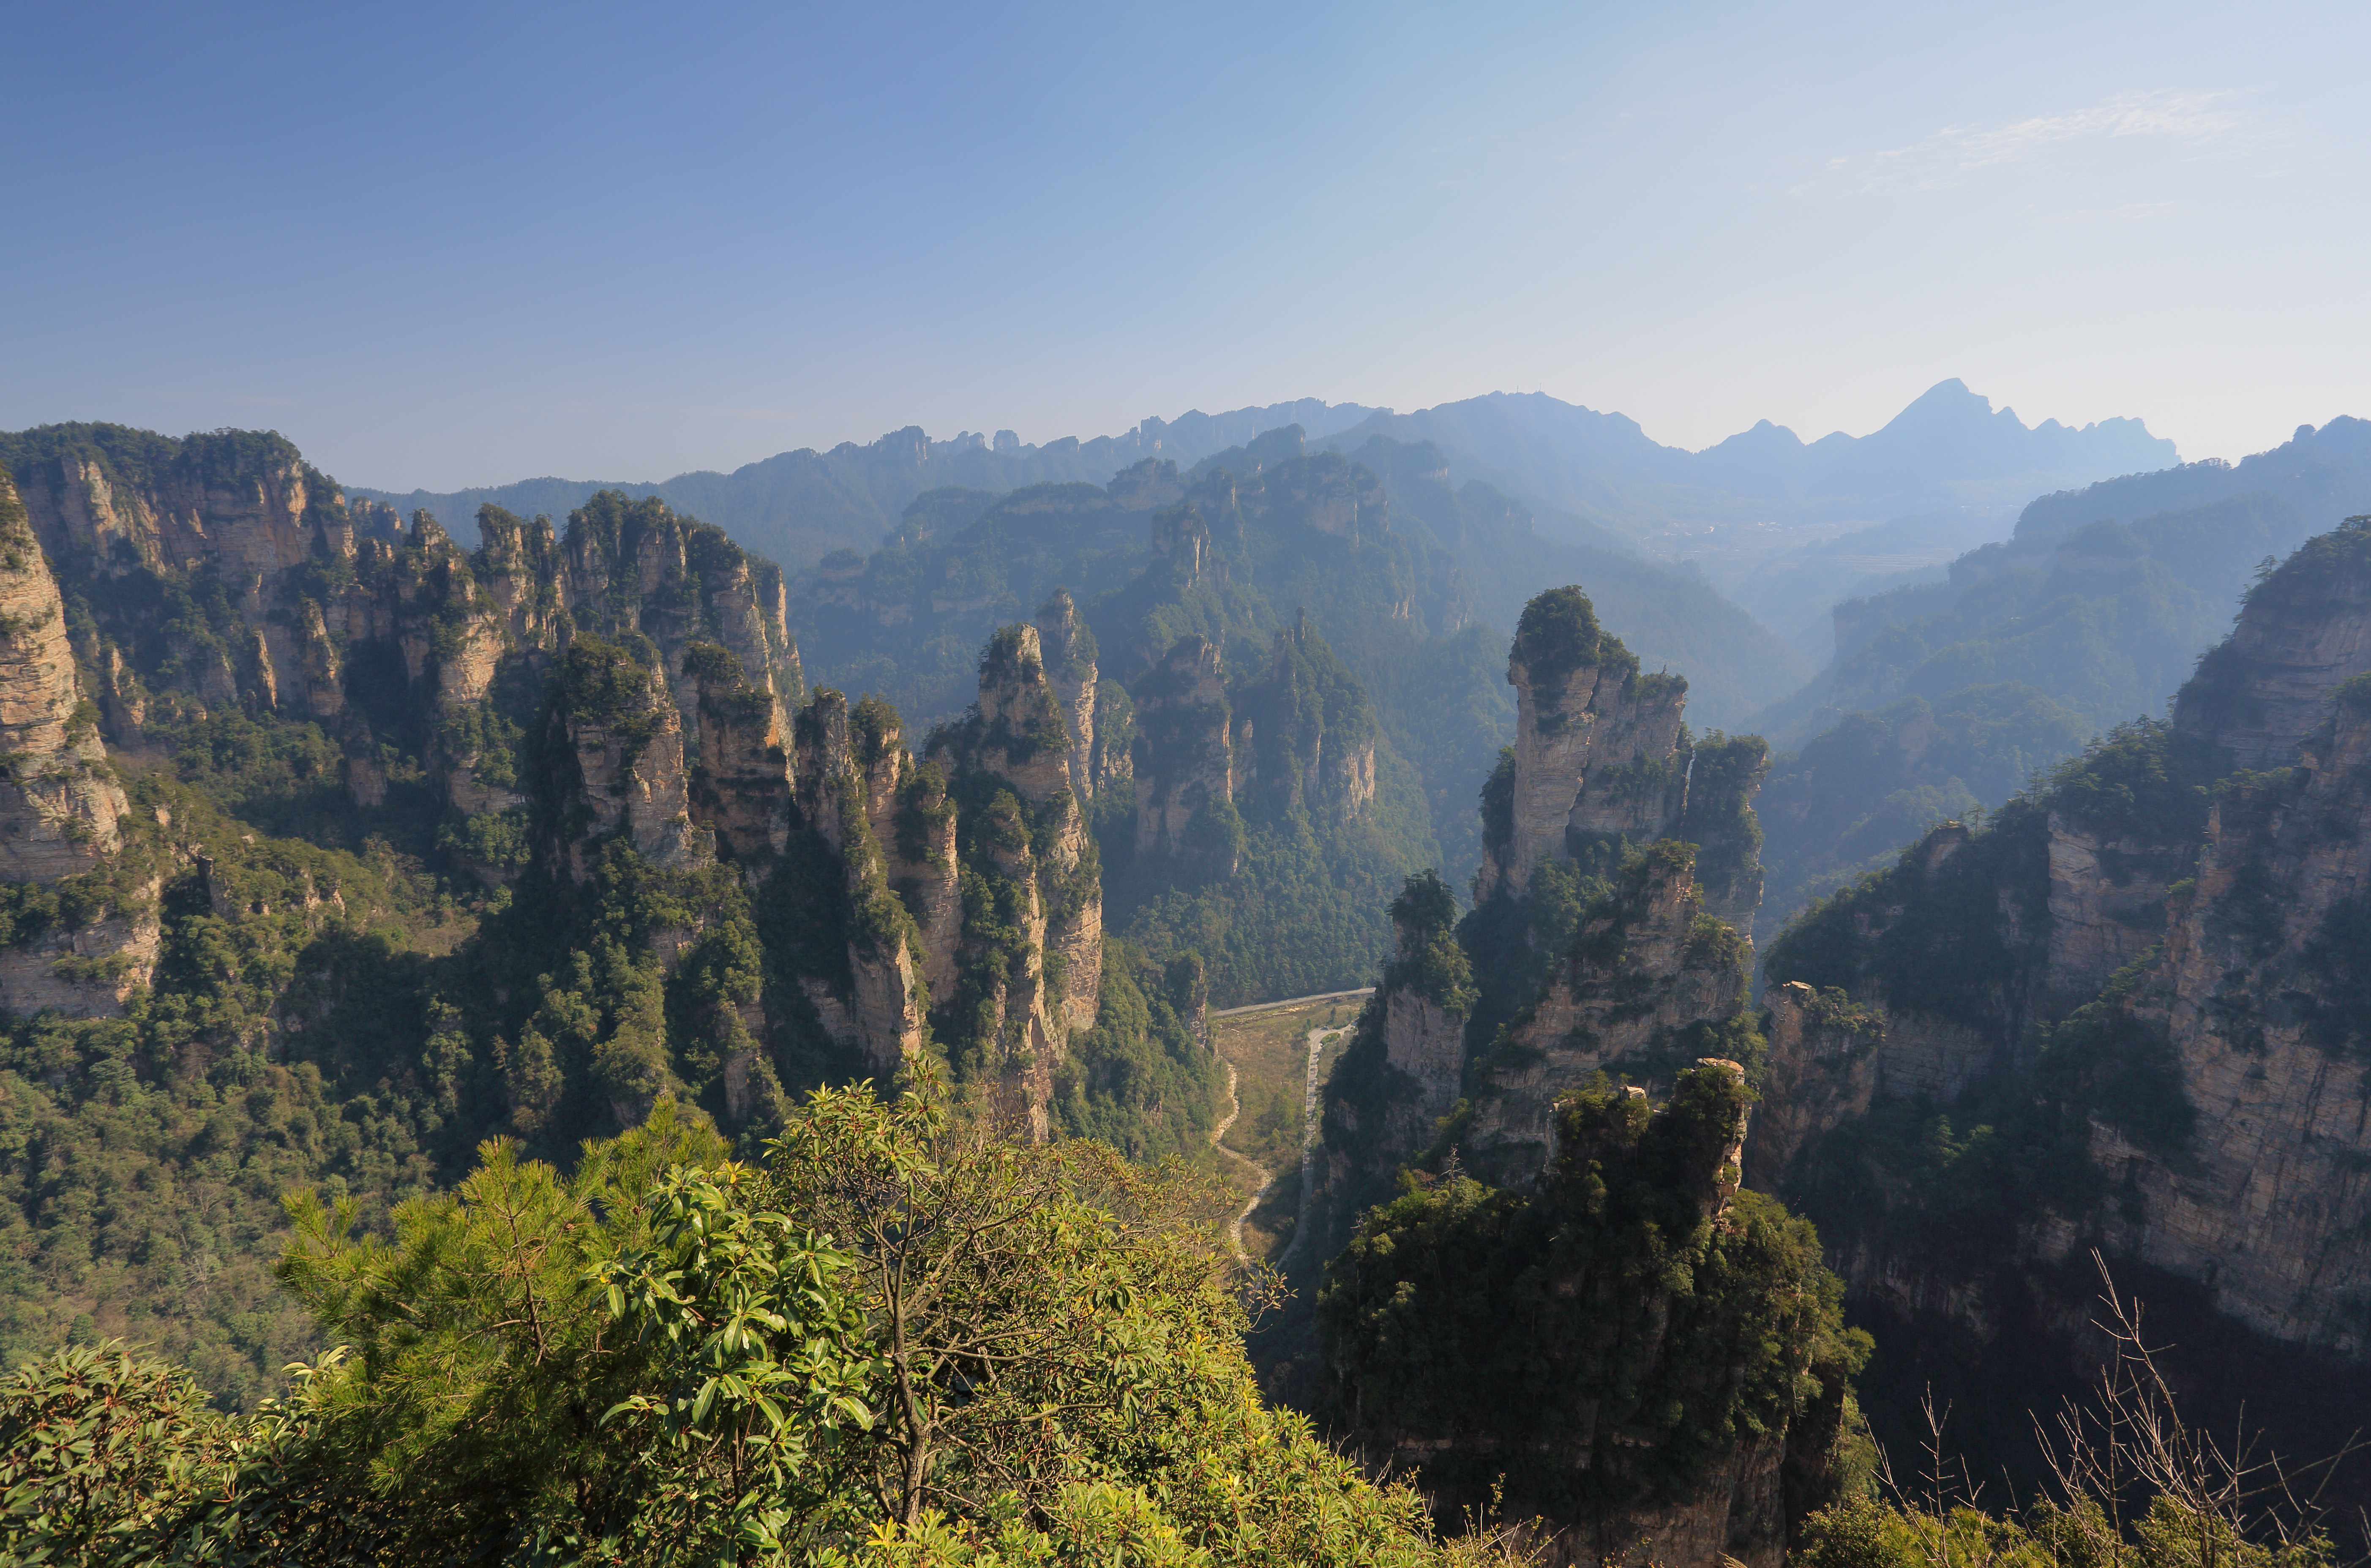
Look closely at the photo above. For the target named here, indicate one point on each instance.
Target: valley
(1203, 819)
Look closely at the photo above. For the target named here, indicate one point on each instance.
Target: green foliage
(1294, 853)
(1658, 1329)
(1430, 963)
(1865, 1533)
(602, 683)
(1559, 634)
(100, 1452)
(1724, 774)
(284, 1040)
(1139, 1080)
(898, 1342)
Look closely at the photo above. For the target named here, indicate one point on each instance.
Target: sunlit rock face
(1644, 988)
(59, 799)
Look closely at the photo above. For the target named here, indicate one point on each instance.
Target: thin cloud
(2203, 124)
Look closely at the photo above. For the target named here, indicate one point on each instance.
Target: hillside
(2120, 1014)
(2097, 608)
(797, 507)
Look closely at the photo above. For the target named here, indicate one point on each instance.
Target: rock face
(1303, 734)
(2259, 997)
(1597, 753)
(848, 777)
(1067, 650)
(1024, 737)
(329, 596)
(1823, 1066)
(741, 787)
(2300, 634)
(59, 799)
(2147, 983)
(1184, 758)
(1025, 996)
(2107, 907)
(625, 737)
(1648, 987)
(88, 971)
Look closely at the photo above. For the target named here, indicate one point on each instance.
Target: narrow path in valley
(1266, 1178)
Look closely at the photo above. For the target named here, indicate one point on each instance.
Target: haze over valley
(1616, 939)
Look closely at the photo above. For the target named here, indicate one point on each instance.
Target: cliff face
(1597, 753)
(741, 787)
(1303, 734)
(1067, 650)
(59, 801)
(1184, 757)
(2143, 981)
(1023, 995)
(619, 730)
(1825, 1066)
(848, 773)
(2300, 635)
(2260, 999)
(325, 599)
(1650, 984)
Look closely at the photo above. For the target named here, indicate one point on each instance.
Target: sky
(440, 245)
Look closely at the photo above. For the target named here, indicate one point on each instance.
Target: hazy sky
(453, 245)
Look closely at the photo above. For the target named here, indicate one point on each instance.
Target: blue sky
(444, 246)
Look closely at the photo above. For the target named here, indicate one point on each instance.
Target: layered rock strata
(2300, 634)
(59, 799)
(1647, 983)
(1597, 754)
(1184, 756)
(2261, 997)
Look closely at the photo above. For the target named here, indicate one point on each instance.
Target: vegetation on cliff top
(1659, 1326)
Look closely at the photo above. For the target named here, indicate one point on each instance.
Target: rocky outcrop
(1024, 735)
(1649, 985)
(2300, 633)
(1067, 650)
(1822, 1068)
(1150, 485)
(59, 799)
(1184, 758)
(89, 971)
(1568, 1408)
(1022, 995)
(2107, 907)
(740, 786)
(880, 1012)
(624, 775)
(1596, 748)
(2259, 1001)
(1303, 734)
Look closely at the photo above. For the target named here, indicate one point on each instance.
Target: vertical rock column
(1069, 651)
(1184, 760)
(59, 801)
(1596, 742)
(884, 1016)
